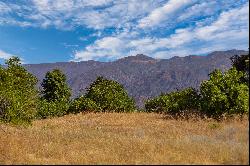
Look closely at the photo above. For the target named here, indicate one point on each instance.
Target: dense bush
(19, 101)
(221, 94)
(109, 95)
(18, 94)
(241, 63)
(55, 87)
(49, 109)
(83, 104)
(55, 99)
(225, 93)
(174, 102)
(4, 103)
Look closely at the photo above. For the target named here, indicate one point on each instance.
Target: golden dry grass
(125, 138)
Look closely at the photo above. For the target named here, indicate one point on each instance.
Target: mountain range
(142, 76)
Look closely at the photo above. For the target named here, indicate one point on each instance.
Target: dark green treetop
(55, 87)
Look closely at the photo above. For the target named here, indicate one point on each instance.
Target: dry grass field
(125, 138)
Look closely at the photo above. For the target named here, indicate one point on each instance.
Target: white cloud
(159, 28)
(108, 47)
(163, 13)
(120, 14)
(120, 46)
(66, 45)
(4, 8)
(100, 14)
(68, 14)
(5, 55)
(230, 24)
(200, 9)
(83, 38)
(229, 30)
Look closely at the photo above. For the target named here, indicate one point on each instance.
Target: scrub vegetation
(208, 125)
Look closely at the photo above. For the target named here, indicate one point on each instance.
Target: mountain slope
(142, 76)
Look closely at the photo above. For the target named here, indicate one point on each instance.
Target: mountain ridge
(142, 55)
(142, 76)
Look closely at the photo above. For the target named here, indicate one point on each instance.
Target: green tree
(224, 93)
(18, 93)
(55, 87)
(241, 63)
(56, 94)
(109, 95)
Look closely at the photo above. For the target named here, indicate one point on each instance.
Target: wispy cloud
(159, 28)
(68, 14)
(163, 13)
(4, 8)
(5, 55)
(66, 45)
(229, 30)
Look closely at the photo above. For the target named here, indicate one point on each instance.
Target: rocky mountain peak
(138, 57)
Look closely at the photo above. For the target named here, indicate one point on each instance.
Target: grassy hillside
(125, 138)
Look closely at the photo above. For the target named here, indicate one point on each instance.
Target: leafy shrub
(49, 109)
(174, 102)
(55, 100)
(221, 94)
(18, 94)
(109, 95)
(83, 104)
(224, 93)
(55, 86)
(241, 63)
(157, 104)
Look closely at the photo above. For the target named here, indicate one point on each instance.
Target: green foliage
(241, 63)
(109, 95)
(174, 102)
(56, 94)
(4, 103)
(55, 87)
(157, 104)
(83, 104)
(221, 94)
(224, 93)
(18, 94)
(49, 109)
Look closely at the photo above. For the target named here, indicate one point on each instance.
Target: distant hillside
(142, 76)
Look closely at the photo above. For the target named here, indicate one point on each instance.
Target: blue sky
(41, 31)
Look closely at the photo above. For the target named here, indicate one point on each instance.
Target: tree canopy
(55, 87)
(18, 93)
(225, 93)
(109, 95)
(241, 63)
